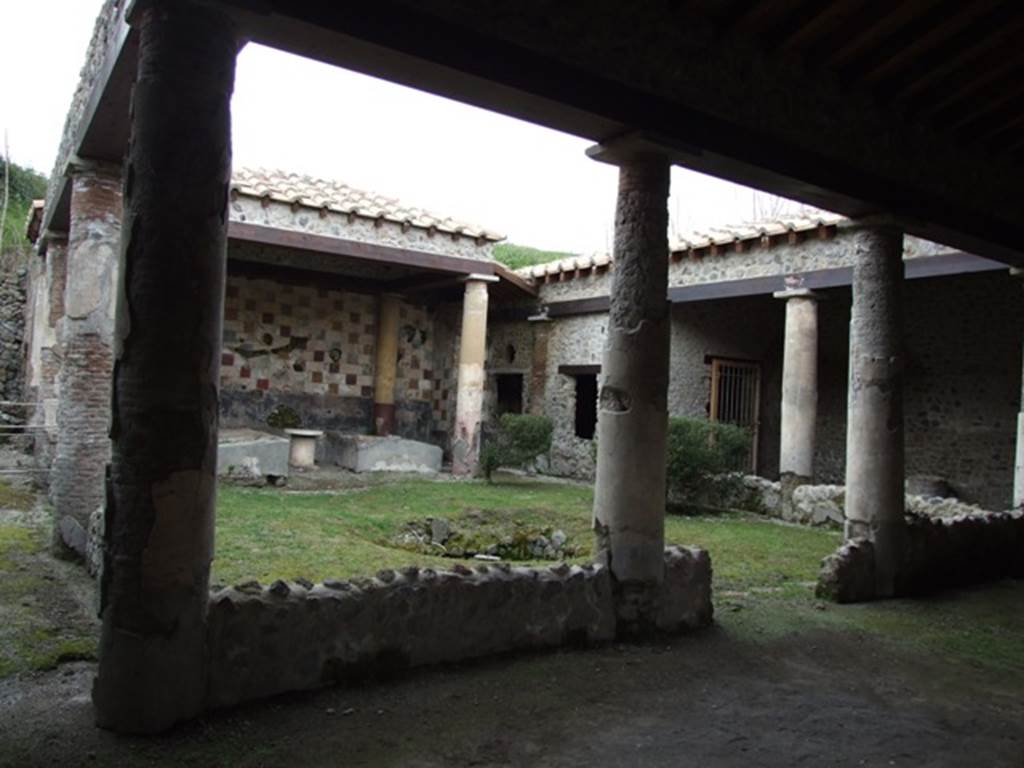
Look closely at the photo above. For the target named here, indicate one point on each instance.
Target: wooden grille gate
(736, 399)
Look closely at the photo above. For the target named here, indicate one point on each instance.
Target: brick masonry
(77, 483)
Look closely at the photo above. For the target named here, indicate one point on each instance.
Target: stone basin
(303, 446)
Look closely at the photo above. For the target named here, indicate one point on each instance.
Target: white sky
(530, 183)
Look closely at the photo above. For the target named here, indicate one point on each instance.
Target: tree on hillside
(23, 185)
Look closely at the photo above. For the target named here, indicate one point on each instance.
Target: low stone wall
(941, 552)
(294, 636)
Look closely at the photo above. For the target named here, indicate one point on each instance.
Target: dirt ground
(722, 697)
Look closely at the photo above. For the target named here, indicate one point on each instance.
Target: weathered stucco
(86, 356)
(271, 213)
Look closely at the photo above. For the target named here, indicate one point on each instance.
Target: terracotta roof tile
(339, 197)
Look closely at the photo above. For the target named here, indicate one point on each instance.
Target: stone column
(1018, 463)
(86, 338)
(632, 426)
(541, 326)
(799, 390)
(469, 394)
(387, 364)
(162, 485)
(874, 432)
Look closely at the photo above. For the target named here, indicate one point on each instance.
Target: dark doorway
(510, 393)
(586, 405)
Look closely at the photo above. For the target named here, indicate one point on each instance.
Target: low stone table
(249, 453)
(303, 446)
(370, 453)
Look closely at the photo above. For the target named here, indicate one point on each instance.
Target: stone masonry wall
(810, 254)
(295, 636)
(748, 329)
(962, 384)
(573, 341)
(940, 553)
(13, 285)
(509, 351)
(331, 223)
(963, 377)
(312, 349)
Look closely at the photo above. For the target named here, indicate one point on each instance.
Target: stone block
(848, 574)
(685, 602)
(368, 453)
(250, 454)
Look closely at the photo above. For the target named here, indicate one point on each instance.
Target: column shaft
(469, 397)
(48, 329)
(162, 487)
(86, 339)
(874, 433)
(387, 364)
(1018, 462)
(799, 389)
(629, 495)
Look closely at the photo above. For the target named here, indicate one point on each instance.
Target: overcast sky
(530, 183)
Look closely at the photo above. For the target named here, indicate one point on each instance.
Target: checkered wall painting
(313, 340)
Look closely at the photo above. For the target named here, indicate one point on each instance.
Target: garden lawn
(41, 623)
(764, 570)
(269, 534)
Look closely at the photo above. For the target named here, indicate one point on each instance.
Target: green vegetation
(38, 627)
(700, 450)
(25, 186)
(520, 439)
(267, 534)
(515, 256)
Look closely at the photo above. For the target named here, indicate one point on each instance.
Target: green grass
(38, 630)
(267, 534)
(763, 570)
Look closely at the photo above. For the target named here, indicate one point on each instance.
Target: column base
(383, 419)
(680, 601)
(789, 482)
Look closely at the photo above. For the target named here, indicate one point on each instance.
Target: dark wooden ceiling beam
(355, 250)
(965, 84)
(880, 21)
(741, 13)
(926, 32)
(1001, 105)
(974, 39)
(996, 135)
(810, 21)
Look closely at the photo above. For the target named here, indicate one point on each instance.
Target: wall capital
(476, 277)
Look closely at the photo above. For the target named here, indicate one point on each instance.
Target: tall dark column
(874, 431)
(161, 490)
(629, 496)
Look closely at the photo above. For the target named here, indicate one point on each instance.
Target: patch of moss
(15, 498)
(283, 417)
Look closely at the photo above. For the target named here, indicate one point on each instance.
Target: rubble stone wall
(962, 383)
(13, 287)
(272, 213)
(296, 636)
(941, 553)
